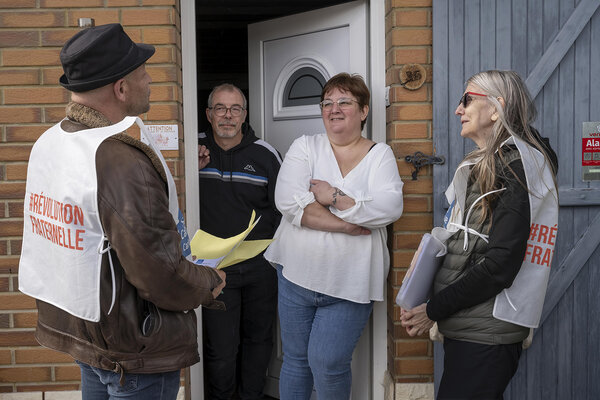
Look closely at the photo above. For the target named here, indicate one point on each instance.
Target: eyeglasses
(466, 98)
(220, 110)
(344, 103)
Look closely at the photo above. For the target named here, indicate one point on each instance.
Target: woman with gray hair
(501, 227)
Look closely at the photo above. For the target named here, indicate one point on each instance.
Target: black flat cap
(100, 55)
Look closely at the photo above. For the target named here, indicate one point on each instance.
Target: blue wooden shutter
(555, 46)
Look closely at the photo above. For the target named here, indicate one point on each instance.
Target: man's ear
(119, 89)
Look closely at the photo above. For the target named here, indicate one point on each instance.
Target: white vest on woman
(523, 301)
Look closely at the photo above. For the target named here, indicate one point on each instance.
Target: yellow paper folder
(219, 253)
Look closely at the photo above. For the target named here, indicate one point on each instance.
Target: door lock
(419, 160)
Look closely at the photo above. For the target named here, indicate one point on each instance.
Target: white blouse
(337, 264)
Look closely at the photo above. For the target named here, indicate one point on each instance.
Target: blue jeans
(318, 335)
(100, 384)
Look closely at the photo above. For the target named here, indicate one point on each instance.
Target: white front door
(290, 59)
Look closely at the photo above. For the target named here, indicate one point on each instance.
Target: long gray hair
(514, 118)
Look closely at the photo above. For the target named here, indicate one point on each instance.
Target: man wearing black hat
(102, 251)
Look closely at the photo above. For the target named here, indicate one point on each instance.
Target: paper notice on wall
(165, 136)
(590, 151)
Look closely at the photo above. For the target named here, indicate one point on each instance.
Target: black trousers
(477, 371)
(238, 341)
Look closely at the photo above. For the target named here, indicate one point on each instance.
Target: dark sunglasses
(466, 98)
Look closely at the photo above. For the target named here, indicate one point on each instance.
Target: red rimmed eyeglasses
(466, 98)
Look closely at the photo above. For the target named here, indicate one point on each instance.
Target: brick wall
(409, 129)
(31, 35)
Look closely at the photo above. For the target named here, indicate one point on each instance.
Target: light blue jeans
(318, 335)
(100, 384)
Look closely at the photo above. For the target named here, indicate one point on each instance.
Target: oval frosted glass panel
(303, 88)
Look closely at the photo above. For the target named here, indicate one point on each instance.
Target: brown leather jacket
(151, 276)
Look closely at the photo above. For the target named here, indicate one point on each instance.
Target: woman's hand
(416, 320)
(323, 191)
(327, 195)
(203, 156)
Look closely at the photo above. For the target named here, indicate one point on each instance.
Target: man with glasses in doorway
(237, 173)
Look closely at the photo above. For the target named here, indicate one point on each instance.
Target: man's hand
(217, 291)
(203, 156)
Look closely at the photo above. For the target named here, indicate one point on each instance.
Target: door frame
(376, 79)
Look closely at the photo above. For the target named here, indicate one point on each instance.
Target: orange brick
(9, 265)
(11, 228)
(70, 3)
(21, 76)
(163, 55)
(14, 152)
(162, 93)
(18, 3)
(417, 204)
(40, 355)
(37, 95)
(15, 209)
(163, 74)
(31, 19)
(402, 258)
(122, 3)
(101, 16)
(25, 320)
(16, 301)
(405, 148)
(423, 185)
(399, 93)
(413, 366)
(411, 348)
(19, 38)
(5, 357)
(162, 112)
(408, 130)
(408, 55)
(406, 17)
(48, 388)
(70, 373)
(12, 190)
(18, 57)
(16, 172)
(17, 338)
(50, 76)
(4, 321)
(158, 2)
(396, 278)
(54, 114)
(15, 246)
(148, 16)
(411, 3)
(25, 374)
(414, 222)
(24, 133)
(160, 35)
(57, 37)
(411, 37)
(410, 112)
(14, 115)
(407, 240)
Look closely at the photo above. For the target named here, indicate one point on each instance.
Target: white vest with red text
(523, 301)
(63, 239)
